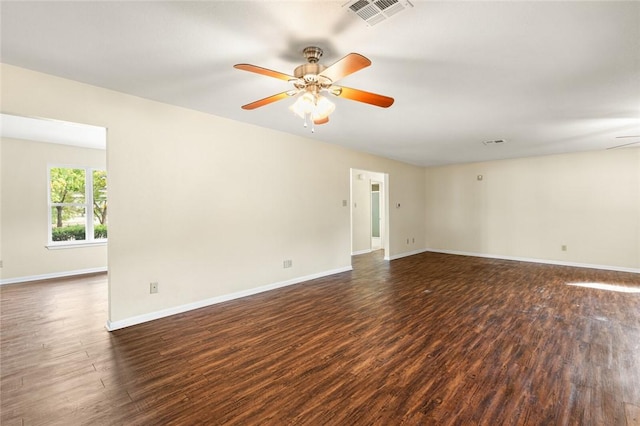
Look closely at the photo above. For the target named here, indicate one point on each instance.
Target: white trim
(53, 275)
(409, 253)
(139, 319)
(359, 252)
(77, 244)
(544, 261)
(43, 129)
(87, 205)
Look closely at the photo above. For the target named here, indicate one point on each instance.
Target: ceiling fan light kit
(314, 108)
(311, 80)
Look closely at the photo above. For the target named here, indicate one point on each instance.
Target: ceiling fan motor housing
(309, 72)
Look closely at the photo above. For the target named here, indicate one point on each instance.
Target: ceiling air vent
(496, 142)
(376, 11)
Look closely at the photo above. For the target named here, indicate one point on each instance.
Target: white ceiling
(548, 77)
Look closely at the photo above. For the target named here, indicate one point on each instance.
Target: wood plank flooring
(430, 339)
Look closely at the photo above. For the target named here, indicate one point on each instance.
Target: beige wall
(24, 211)
(209, 207)
(529, 208)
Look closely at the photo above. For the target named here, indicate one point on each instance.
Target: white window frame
(88, 206)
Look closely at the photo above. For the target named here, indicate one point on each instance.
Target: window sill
(80, 244)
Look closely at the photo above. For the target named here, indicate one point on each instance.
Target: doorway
(369, 212)
(64, 158)
(376, 216)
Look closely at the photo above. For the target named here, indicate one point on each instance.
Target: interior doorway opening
(376, 216)
(369, 212)
(67, 178)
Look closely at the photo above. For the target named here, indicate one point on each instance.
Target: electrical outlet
(287, 263)
(413, 240)
(153, 287)
(407, 241)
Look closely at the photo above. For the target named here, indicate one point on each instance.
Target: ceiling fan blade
(348, 65)
(267, 101)
(630, 136)
(264, 71)
(623, 145)
(362, 96)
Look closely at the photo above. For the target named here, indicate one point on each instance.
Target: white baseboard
(127, 322)
(535, 260)
(356, 253)
(409, 253)
(53, 275)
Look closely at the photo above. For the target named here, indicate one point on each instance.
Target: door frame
(358, 175)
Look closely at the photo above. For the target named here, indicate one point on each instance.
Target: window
(77, 206)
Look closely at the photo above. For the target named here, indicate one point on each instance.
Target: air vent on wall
(376, 11)
(496, 142)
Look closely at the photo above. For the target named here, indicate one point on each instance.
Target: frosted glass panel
(375, 214)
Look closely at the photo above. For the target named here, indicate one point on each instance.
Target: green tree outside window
(78, 202)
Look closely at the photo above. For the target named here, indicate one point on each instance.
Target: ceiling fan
(625, 144)
(311, 80)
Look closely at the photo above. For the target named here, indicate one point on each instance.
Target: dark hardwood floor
(430, 339)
